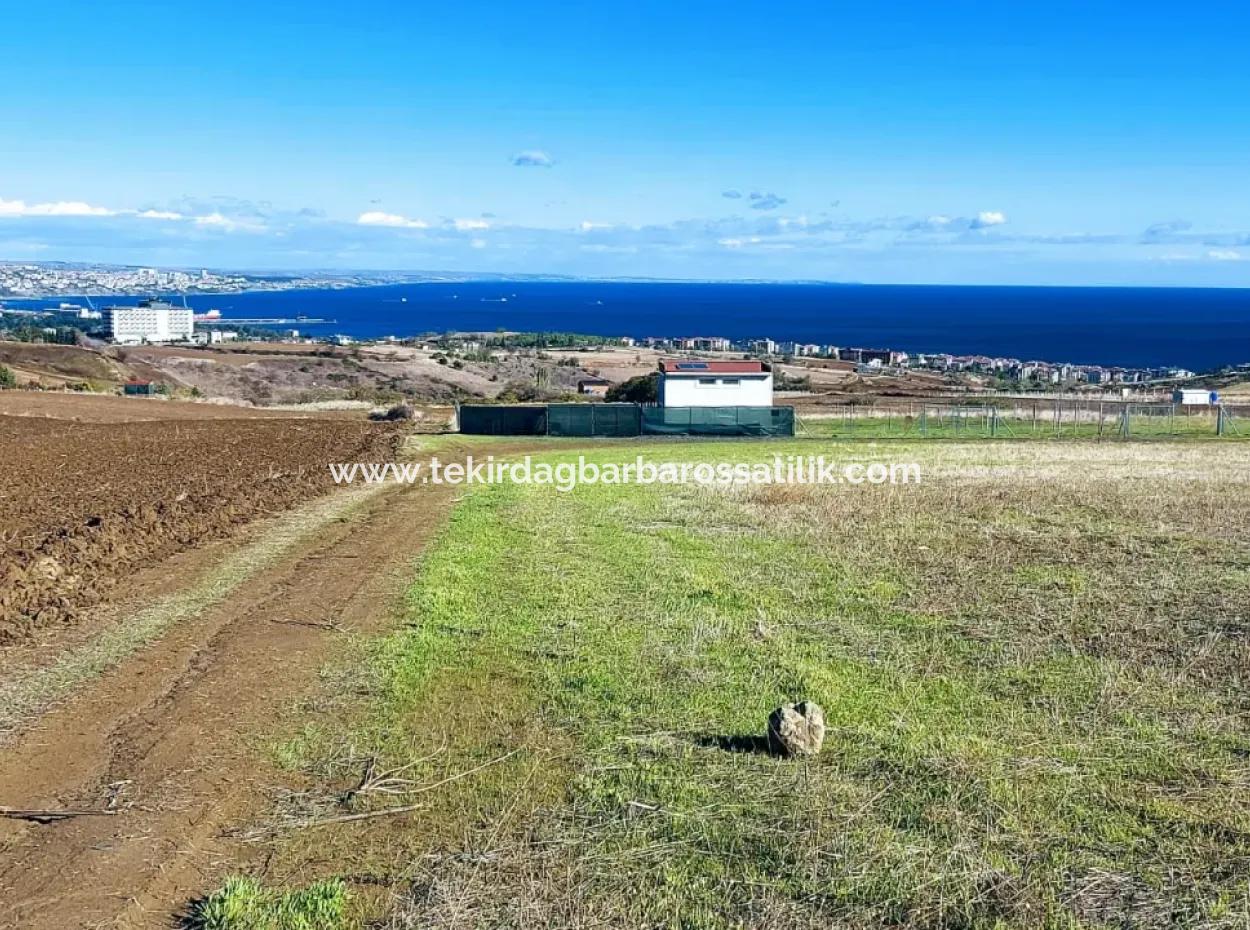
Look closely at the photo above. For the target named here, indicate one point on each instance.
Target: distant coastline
(34, 280)
(1198, 329)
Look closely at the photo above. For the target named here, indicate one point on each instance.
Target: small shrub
(7, 378)
(643, 389)
(397, 412)
(242, 903)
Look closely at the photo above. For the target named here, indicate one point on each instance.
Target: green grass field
(978, 423)
(1033, 665)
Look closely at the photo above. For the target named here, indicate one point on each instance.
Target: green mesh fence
(625, 420)
(593, 420)
(718, 421)
(490, 420)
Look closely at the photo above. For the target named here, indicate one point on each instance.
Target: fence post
(1219, 420)
(924, 420)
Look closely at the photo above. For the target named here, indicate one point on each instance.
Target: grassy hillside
(1033, 666)
(55, 365)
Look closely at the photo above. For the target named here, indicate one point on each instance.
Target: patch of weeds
(1057, 578)
(295, 751)
(243, 903)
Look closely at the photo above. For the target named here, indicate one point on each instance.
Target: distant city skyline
(1062, 144)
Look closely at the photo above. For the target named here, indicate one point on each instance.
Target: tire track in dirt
(168, 734)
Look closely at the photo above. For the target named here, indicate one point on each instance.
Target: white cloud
(217, 220)
(71, 209)
(212, 219)
(946, 224)
(59, 208)
(532, 158)
(601, 248)
(231, 233)
(987, 218)
(378, 218)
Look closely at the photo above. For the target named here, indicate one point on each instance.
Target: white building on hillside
(1193, 397)
(691, 383)
(150, 321)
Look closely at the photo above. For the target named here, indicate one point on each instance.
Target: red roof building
(698, 383)
(689, 366)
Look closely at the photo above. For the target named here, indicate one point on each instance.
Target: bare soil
(84, 504)
(107, 408)
(170, 739)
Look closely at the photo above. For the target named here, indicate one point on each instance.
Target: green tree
(7, 378)
(643, 389)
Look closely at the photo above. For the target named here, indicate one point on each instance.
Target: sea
(1199, 329)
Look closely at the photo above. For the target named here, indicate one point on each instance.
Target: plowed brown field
(82, 504)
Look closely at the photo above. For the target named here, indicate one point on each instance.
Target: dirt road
(168, 737)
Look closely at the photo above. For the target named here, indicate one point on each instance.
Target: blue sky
(1057, 143)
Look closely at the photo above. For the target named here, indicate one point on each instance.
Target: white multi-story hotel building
(150, 321)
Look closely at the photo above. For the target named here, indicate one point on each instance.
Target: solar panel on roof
(692, 366)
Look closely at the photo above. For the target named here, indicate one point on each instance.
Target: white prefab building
(150, 321)
(1190, 397)
(690, 383)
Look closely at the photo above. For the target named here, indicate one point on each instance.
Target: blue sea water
(1194, 328)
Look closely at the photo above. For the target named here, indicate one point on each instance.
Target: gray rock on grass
(796, 729)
